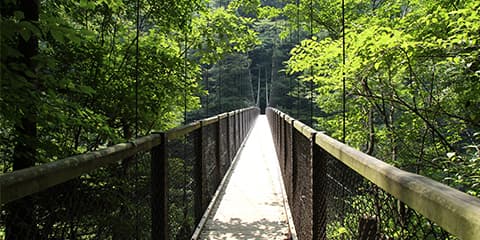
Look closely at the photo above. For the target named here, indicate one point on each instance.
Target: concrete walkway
(251, 205)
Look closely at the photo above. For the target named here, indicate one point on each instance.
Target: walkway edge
(221, 187)
(286, 205)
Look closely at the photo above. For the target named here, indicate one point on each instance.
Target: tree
(407, 84)
(22, 65)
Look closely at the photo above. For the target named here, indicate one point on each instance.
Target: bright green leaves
(173, 15)
(321, 56)
(269, 12)
(92, 5)
(87, 4)
(244, 6)
(415, 66)
(220, 32)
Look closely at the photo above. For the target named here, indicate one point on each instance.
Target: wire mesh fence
(357, 208)
(109, 202)
(123, 196)
(330, 200)
(181, 185)
(301, 184)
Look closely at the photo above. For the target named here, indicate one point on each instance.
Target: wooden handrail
(186, 129)
(21, 183)
(453, 210)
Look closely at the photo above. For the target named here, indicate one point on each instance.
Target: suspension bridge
(237, 175)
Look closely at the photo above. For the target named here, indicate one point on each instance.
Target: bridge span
(251, 202)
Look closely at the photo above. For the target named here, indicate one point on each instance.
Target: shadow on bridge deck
(251, 204)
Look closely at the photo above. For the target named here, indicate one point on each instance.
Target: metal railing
(156, 187)
(337, 192)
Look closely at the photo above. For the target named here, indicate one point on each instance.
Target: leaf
(25, 33)
(86, 89)
(57, 35)
(342, 230)
(19, 15)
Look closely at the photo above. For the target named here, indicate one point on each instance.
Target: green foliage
(414, 66)
(269, 12)
(85, 87)
(220, 32)
(87, 68)
(248, 7)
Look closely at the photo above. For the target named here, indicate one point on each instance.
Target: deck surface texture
(251, 204)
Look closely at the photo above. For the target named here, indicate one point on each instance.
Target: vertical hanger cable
(311, 67)
(137, 61)
(298, 43)
(185, 119)
(344, 98)
(137, 72)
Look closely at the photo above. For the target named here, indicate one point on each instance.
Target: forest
(397, 79)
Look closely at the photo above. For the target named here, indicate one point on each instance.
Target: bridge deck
(251, 204)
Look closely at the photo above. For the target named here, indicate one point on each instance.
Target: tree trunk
(371, 132)
(393, 136)
(20, 222)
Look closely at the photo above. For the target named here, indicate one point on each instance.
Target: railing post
(240, 124)
(198, 174)
(247, 121)
(286, 146)
(280, 138)
(159, 190)
(283, 145)
(278, 130)
(294, 161)
(249, 118)
(243, 124)
(228, 140)
(235, 132)
(319, 190)
(239, 129)
(218, 154)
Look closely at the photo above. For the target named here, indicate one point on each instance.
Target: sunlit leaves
(416, 65)
(269, 12)
(220, 32)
